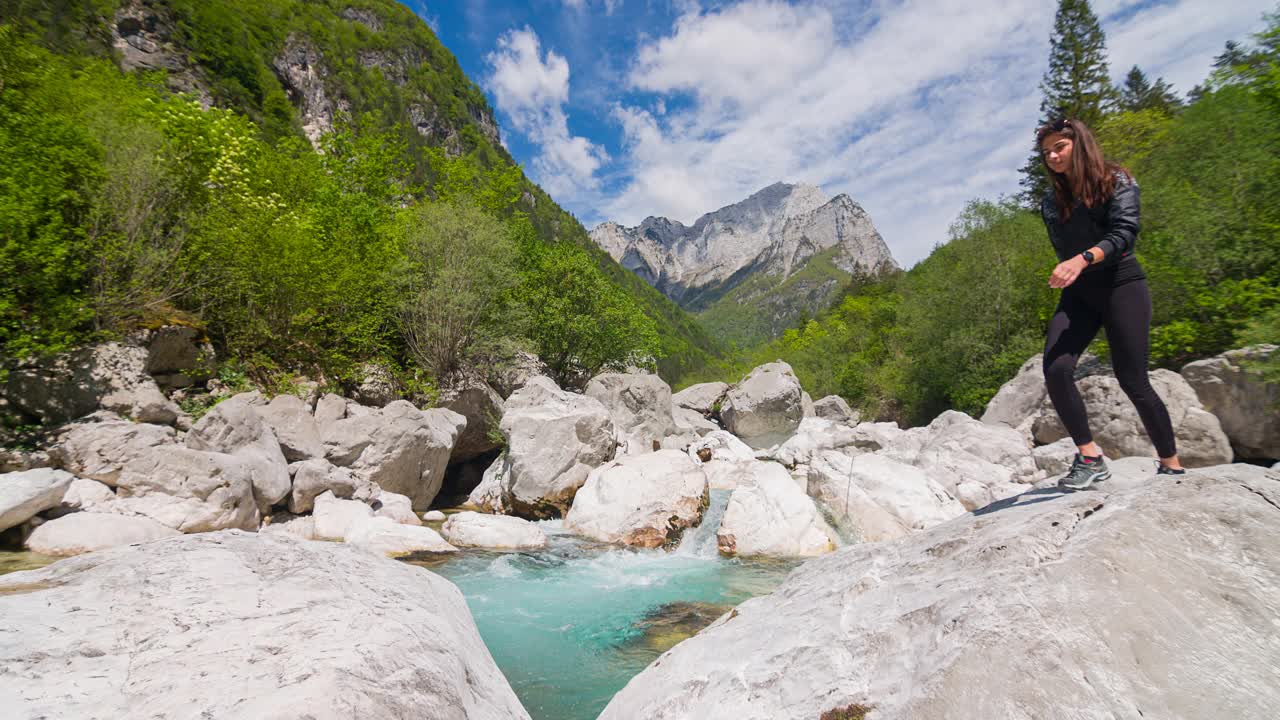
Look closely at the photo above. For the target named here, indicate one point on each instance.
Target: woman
(1092, 218)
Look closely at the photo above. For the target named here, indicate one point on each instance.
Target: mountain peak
(773, 232)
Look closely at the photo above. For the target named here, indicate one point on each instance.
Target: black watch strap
(1088, 256)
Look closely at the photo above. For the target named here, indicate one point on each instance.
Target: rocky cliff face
(773, 233)
(145, 36)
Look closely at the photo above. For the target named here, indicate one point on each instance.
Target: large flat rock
(1158, 599)
(235, 625)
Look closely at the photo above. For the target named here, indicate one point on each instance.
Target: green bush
(456, 282)
(578, 322)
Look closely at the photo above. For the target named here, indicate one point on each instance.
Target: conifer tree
(1139, 94)
(1077, 83)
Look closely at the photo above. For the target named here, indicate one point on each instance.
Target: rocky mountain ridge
(762, 241)
(774, 231)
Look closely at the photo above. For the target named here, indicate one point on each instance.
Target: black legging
(1125, 311)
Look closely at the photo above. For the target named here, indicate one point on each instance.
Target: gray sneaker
(1084, 473)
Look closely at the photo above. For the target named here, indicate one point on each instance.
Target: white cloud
(912, 108)
(609, 5)
(531, 89)
(1178, 42)
(737, 55)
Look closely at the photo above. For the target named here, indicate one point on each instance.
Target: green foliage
(50, 166)
(459, 271)
(197, 406)
(974, 310)
(1138, 94)
(228, 213)
(234, 377)
(1265, 328)
(1077, 83)
(737, 317)
(578, 322)
(1129, 137)
(495, 190)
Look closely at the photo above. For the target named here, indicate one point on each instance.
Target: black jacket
(1112, 226)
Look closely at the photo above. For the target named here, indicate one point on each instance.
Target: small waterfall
(591, 607)
(701, 540)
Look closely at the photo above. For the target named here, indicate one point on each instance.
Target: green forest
(951, 330)
(125, 205)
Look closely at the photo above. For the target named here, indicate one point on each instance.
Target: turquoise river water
(571, 624)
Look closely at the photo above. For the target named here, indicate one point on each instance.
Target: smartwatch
(1088, 256)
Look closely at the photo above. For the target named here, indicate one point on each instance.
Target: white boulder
(1241, 398)
(490, 494)
(847, 488)
(495, 532)
(330, 408)
(1018, 401)
(238, 626)
(816, 435)
(294, 427)
(86, 495)
(639, 406)
(83, 532)
(729, 474)
(554, 439)
(766, 407)
(334, 517)
(703, 398)
(992, 461)
(1083, 605)
(384, 536)
(311, 478)
(302, 527)
(640, 501)
(100, 450)
(400, 448)
(25, 494)
(235, 427)
(691, 421)
(190, 490)
(396, 507)
(836, 409)
(772, 516)
(721, 445)
(481, 406)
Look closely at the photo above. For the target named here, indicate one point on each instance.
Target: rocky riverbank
(950, 551)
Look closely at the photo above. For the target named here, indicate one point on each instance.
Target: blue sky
(622, 109)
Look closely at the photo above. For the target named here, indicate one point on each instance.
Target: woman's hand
(1067, 271)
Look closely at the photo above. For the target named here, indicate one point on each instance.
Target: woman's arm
(1123, 220)
(1068, 270)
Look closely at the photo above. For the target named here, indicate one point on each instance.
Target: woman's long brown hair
(1090, 179)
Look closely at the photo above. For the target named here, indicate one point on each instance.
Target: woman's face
(1057, 152)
